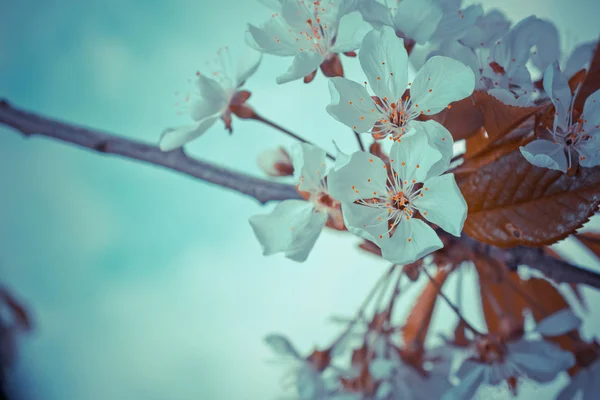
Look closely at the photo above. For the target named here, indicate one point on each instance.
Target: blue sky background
(144, 283)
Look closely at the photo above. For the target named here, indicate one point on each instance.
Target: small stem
(384, 278)
(272, 124)
(359, 140)
(452, 306)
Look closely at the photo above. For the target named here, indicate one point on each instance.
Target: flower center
(398, 115)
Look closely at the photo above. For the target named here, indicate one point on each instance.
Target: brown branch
(261, 189)
(31, 124)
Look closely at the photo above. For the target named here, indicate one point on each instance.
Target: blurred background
(146, 284)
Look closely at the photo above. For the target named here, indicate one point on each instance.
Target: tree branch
(261, 189)
(29, 124)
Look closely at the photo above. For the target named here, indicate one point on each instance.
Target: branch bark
(31, 124)
(261, 189)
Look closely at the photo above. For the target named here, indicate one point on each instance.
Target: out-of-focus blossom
(586, 382)
(486, 30)
(579, 58)
(217, 96)
(381, 202)
(496, 360)
(294, 225)
(392, 113)
(312, 376)
(313, 32)
(422, 21)
(571, 136)
(276, 162)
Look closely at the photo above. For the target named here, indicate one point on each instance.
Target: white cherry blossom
(313, 32)
(294, 225)
(391, 113)
(570, 136)
(486, 30)
(381, 202)
(496, 360)
(586, 382)
(216, 96)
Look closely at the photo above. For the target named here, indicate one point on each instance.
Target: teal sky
(146, 284)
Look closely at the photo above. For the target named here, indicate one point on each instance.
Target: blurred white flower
(276, 162)
(294, 225)
(391, 113)
(570, 136)
(586, 382)
(496, 360)
(218, 95)
(313, 32)
(380, 202)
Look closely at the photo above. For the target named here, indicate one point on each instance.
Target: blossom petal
(442, 203)
(375, 13)
(557, 87)
(381, 368)
(201, 108)
(468, 386)
(545, 154)
(174, 138)
(281, 345)
(455, 24)
(413, 157)
(384, 60)
(589, 151)
(363, 175)
(273, 38)
(440, 139)
(292, 227)
(540, 360)
(487, 30)
(350, 33)
(247, 66)
(211, 90)
(310, 167)
(559, 323)
(418, 19)
(412, 240)
(352, 105)
(309, 384)
(591, 112)
(580, 58)
(366, 222)
(305, 62)
(441, 81)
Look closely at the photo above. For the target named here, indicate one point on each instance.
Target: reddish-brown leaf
(417, 323)
(488, 156)
(591, 240)
(577, 79)
(592, 80)
(463, 119)
(512, 202)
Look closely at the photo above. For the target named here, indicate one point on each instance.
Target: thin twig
(272, 124)
(359, 140)
(452, 306)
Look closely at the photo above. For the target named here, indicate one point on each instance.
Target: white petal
(309, 384)
(211, 90)
(487, 30)
(375, 13)
(440, 139)
(350, 33)
(352, 105)
(366, 222)
(443, 204)
(545, 154)
(559, 323)
(381, 368)
(296, 13)
(177, 137)
(305, 62)
(281, 345)
(580, 58)
(531, 32)
(201, 108)
(269, 160)
(589, 151)
(557, 87)
(418, 19)
(309, 166)
(384, 60)
(413, 157)
(341, 158)
(467, 387)
(400, 250)
(292, 227)
(247, 65)
(540, 360)
(461, 53)
(273, 38)
(363, 175)
(455, 24)
(441, 81)
(591, 112)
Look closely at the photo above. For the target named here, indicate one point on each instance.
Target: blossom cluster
(419, 58)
